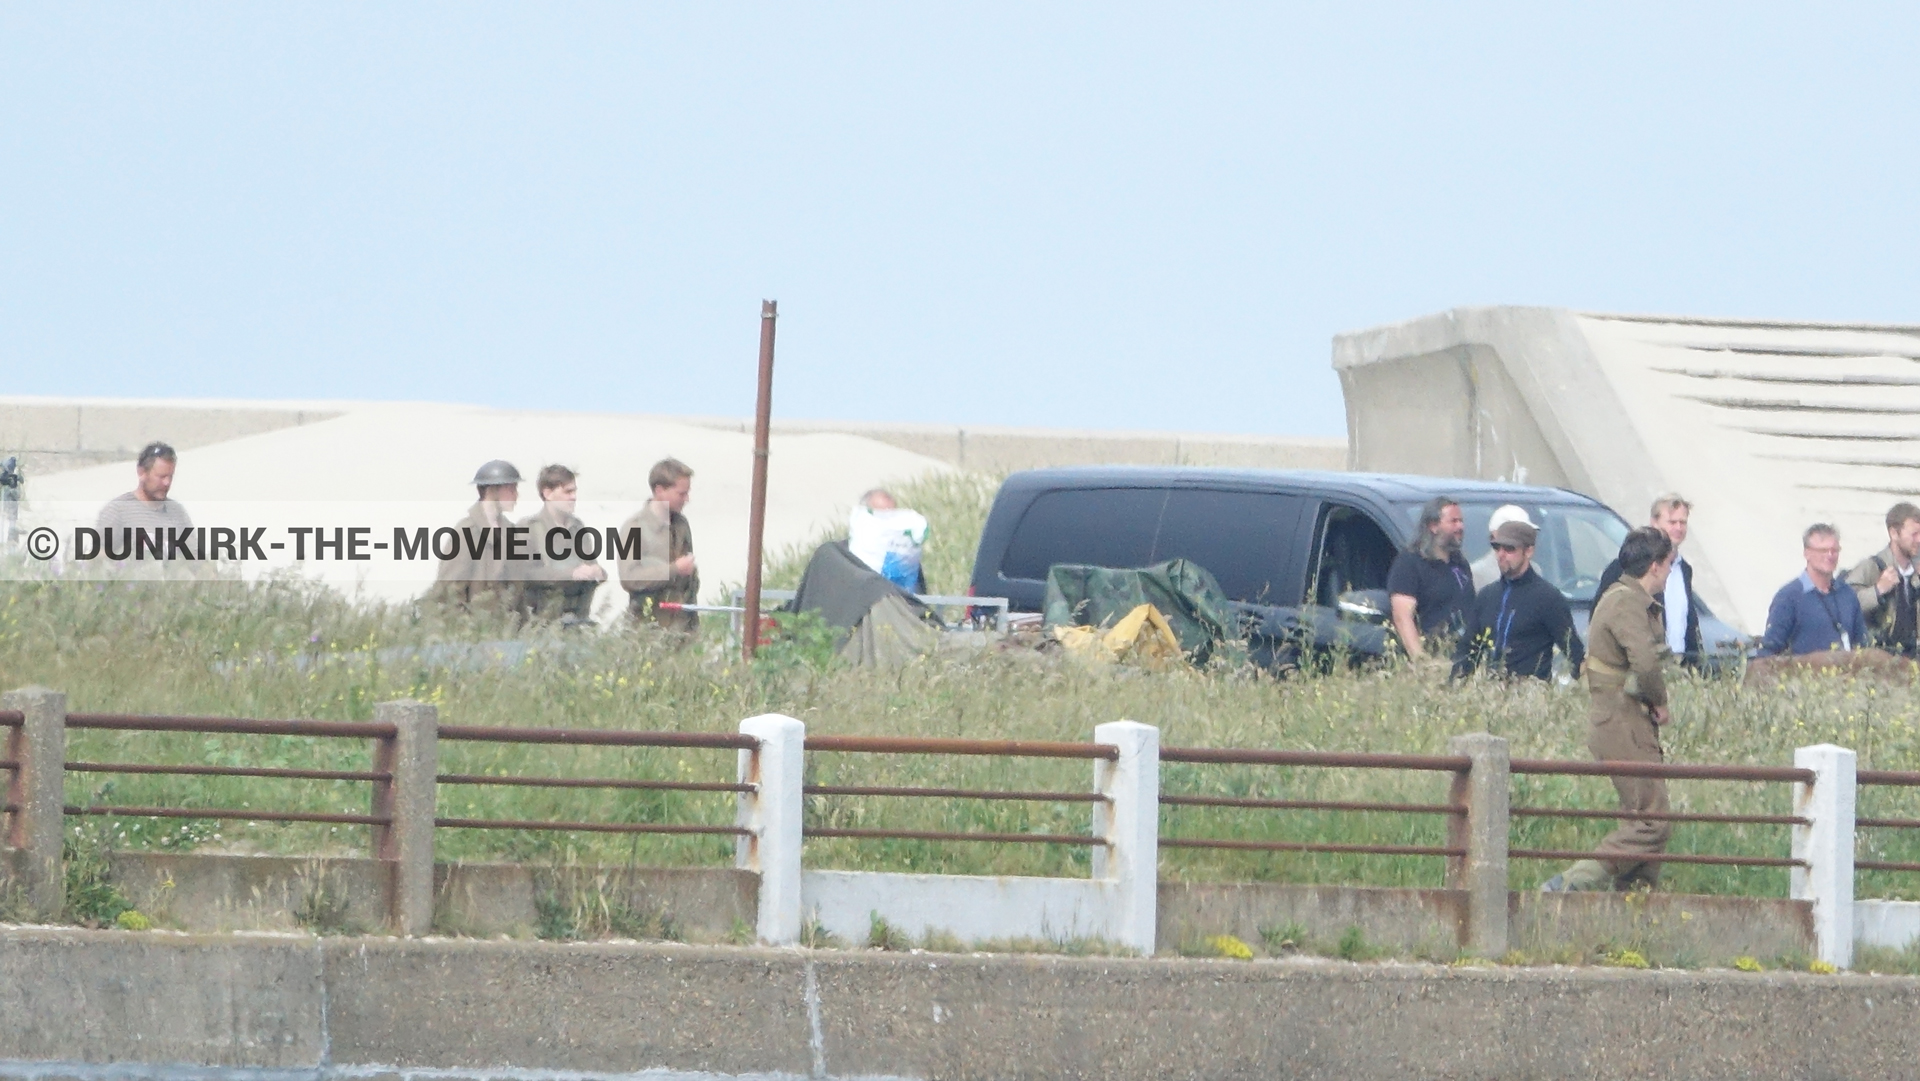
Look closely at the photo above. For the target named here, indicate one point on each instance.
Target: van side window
(1353, 553)
(1247, 539)
(1104, 527)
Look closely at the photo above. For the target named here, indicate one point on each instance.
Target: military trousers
(1622, 731)
(555, 600)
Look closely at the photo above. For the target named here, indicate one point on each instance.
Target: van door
(1351, 552)
(1246, 539)
(1102, 527)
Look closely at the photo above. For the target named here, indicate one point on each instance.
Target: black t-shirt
(1442, 589)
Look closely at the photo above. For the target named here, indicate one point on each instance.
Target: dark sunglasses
(1500, 547)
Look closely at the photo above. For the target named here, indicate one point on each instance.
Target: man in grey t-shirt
(135, 525)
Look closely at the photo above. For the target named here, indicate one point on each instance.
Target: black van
(1290, 547)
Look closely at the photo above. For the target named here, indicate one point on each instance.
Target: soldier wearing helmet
(480, 577)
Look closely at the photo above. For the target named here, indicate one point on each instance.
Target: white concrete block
(771, 813)
(1826, 844)
(1130, 822)
(1893, 924)
(973, 908)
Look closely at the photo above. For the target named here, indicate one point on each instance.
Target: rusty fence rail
(1672, 771)
(770, 791)
(380, 779)
(403, 774)
(592, 737)
(1887, 778)
(998, 748)
(1455, 849)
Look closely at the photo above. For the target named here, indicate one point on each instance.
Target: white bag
(889, 541)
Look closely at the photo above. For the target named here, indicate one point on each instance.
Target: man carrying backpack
(1888, 583)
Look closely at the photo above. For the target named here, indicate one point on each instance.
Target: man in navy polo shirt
(1814, 613)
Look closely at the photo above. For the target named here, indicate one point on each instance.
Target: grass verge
(285, 649)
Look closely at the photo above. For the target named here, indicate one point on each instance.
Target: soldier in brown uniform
(559, 588)
(665, 569)
(1626, 648)
(480, 577)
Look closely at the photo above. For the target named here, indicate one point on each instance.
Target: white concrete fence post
(1826, 844)
(38, 794)
(771, 814)
(1129, 820)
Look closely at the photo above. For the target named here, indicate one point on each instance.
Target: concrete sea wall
(85, 1005)
(220, 893)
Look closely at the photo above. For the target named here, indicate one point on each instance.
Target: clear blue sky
(1092, 215)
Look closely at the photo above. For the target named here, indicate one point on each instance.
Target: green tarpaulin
(1185, 593)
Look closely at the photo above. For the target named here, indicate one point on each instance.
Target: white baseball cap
(1510, 513)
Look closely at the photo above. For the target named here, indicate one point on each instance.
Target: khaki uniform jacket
(664, 537)
(550, 590)
(1626, 647)
(540, 568)
(483, 582)
(1865, 580)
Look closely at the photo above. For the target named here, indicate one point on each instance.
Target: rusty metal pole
(757, 511)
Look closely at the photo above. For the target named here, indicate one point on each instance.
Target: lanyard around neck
(1833, 616)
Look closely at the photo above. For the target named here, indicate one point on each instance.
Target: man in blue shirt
(1814, 613)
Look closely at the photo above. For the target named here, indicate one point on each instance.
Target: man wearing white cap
(1517, 622)
(1486, 569)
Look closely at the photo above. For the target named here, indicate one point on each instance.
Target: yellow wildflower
(1230, 947)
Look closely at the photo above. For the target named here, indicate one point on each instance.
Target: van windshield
(1576, 543)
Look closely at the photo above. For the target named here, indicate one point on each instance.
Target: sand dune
(395, 463)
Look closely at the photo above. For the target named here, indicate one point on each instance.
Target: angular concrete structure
(1766, 426)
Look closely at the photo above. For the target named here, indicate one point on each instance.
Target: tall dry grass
(288, 650)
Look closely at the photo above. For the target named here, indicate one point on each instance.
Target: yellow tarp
(1141, 637)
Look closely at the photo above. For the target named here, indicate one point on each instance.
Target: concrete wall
(97, 1005)
(1767, 426)
(994, 449)
(217, 893)
(1670, 928)
(51, 435)
(972, 908)
(1427, 923)
(60, 434)
(1455, 412)
(205, 893)
(1894, 925)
